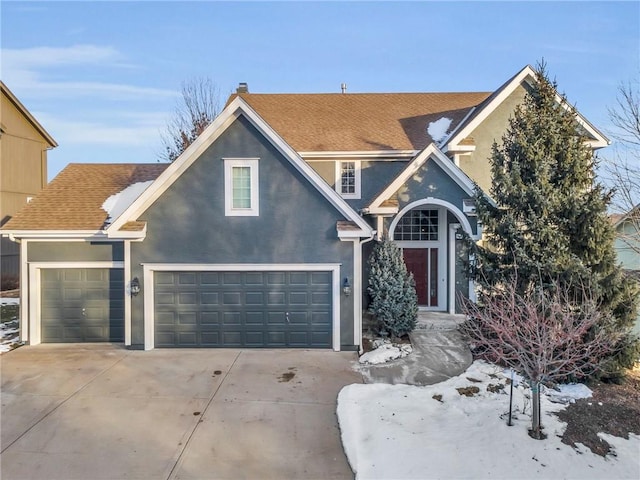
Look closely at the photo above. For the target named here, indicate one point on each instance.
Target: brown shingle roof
(360, 121)
(73, 200)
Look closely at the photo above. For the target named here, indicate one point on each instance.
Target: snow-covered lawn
(8, 329)
(407, 432)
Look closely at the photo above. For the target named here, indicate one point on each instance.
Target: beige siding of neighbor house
(23, 167)
(476, 164)
(326, 169)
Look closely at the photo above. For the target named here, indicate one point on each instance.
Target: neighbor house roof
(334, 122)
(74, 199)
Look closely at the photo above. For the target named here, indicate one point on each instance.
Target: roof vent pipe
(343, 87)
(243, 87)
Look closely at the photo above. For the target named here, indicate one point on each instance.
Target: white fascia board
(57, 234)
(177, 167)
(379, 154)
(383, 210)
(527, 74)
(236, 108)
(433, 152)
(445, 141)
(452, 144)
(351, 234)
(129, 235)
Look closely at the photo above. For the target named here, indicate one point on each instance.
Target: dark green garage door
(243, 309)
(82, 305)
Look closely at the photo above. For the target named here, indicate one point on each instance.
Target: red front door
(423, 263)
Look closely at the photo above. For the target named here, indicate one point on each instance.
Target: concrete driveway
(104, 412)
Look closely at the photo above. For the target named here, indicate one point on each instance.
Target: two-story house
(23, 170)
(259, 233)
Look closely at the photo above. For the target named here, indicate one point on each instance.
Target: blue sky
(103, 77)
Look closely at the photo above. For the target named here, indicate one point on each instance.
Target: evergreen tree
(394, 301)
(550, 220)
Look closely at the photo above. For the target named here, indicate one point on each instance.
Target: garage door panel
(163, 298)
(276, 278)
(232, 338)
(187, 299)
(209, 298)
(187, 318)
(187, 279)
(254, 298)
(232, 278)
(232, 298)
(188, 339)
(231, 318)
(210, 318)
(255, 318)
(72, 275)
(276, 298)
(209, 278)
(320, 298)
(165, 318)
(298, 298)
(163, 278)
(244, 309)
(210, 339)
(254, 278)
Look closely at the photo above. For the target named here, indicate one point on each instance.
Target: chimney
(242, 88)
(343, 87)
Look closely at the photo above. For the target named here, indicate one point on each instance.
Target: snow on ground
(402, 432)
(385, 351)
(8, 330)
(117, 203)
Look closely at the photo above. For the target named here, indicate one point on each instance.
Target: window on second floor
(241, 196)
(348, 179)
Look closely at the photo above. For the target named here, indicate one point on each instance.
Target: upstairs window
(348, 179)
(241, 196)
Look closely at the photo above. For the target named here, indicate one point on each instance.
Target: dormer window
(348, 178)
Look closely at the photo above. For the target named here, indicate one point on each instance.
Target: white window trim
(338, 183)
(254, 210)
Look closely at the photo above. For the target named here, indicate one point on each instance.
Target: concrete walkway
(439, 353)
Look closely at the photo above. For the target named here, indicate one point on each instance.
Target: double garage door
(243, 309)
(82, 305)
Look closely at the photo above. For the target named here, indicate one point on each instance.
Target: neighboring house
(23, 169)
(259, 233)
(627, 245)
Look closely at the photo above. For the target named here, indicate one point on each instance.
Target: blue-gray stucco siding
(85, 251)
(187, 223)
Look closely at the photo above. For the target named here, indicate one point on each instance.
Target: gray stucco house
(258, 234)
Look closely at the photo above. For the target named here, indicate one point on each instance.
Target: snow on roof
(119, 202)
(438, 129)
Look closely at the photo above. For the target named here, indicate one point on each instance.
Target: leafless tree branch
(198, 106)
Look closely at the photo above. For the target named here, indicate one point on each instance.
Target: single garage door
(82, 305)
(243, 309)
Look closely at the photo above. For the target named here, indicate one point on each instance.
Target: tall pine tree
(549, 222)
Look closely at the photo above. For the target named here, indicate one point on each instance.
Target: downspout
(359, 299)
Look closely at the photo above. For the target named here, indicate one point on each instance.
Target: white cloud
(128, 130)
(30, 68)
(39, 57)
